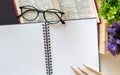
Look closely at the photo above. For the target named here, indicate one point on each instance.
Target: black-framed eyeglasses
(51, 16)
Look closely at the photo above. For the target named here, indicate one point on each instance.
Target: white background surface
(110, 65)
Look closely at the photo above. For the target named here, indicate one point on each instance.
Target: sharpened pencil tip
(76, 71)
(72, 67)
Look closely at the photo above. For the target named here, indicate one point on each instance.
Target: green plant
(110, 10)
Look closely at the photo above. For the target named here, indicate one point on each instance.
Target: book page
(76, 9)
(69, 7)
(84, 8)
(55, 4)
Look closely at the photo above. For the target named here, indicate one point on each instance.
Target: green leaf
(110, 10)
(113, 10)
(110, 16)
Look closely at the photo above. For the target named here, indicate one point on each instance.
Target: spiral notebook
(38, 49)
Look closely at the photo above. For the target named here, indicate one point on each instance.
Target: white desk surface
(110, 65)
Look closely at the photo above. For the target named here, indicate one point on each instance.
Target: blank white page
(74, 44)
(22, 50)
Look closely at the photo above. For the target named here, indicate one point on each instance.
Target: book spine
(97, 6)
(47, 47)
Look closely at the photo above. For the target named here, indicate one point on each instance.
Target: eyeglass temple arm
(22, 13)
(63, 22)
(60, 19)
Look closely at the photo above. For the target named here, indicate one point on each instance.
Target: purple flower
(116, 25)
(112, 30)
(113, 40)
(112, 48)
(110, 36)
(118, 41)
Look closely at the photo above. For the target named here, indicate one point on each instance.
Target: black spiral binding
(47, 47)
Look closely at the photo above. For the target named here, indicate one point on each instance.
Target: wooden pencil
(93, 69)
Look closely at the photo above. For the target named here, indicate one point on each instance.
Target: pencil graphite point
(76, 71)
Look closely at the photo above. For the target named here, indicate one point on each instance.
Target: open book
(38, 49)
(74, 9)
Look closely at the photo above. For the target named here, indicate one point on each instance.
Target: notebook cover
(8, 13)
